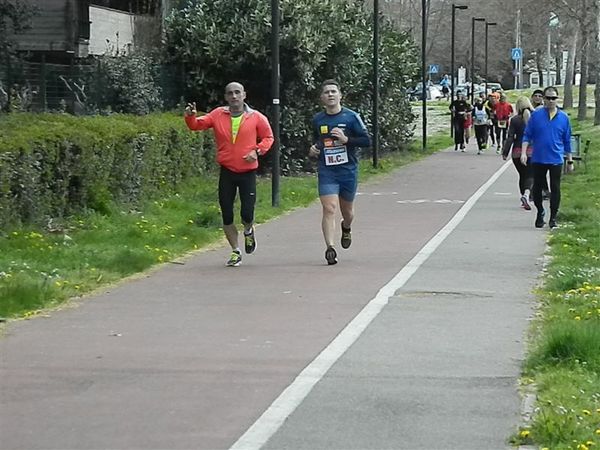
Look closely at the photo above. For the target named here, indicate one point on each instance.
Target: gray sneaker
(235, 259)
(249, 241)
(346, 236)
(331, 256)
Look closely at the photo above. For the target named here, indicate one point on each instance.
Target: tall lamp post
(472, 77)
(275, 94)
(454, 8)
(487, 25)
(424, 69)
(375, 118)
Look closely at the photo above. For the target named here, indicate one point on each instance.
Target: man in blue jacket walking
(549, 131)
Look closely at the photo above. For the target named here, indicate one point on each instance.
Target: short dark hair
(550, 88)
(329, 82)
(538, 91)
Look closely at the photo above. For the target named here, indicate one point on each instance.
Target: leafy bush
(225, 40)
(55, 165)
(124, 84)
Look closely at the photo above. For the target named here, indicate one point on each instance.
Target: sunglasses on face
(548, 97)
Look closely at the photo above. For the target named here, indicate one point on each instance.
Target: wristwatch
(569, 163)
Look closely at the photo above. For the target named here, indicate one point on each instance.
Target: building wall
(52, 28)
(111, 31)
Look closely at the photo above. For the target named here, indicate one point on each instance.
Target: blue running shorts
(338, 182)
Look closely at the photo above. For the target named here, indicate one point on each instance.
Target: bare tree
(596, 59)
(570, 72)
(585, 14)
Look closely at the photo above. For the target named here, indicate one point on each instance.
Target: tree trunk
(538, 64)
(570, 73)
(582, 107)
(596, 62)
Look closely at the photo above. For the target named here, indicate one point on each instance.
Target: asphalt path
(414, 340)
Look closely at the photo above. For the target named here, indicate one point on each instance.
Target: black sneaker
(552, 222)
(331, 256)
(249, 241)
(346, 236)
(235, 259)
(539, 220)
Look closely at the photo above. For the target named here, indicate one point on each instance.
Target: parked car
(434, 92)
(493, 87)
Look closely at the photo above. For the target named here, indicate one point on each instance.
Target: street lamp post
(487, 25)
(275, 94)
(472, 77)
(423, 70)
(454, 8)
(375, 118)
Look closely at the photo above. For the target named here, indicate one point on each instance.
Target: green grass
(40, 269)
(563, 362)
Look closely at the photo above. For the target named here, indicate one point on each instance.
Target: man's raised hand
(190, 109)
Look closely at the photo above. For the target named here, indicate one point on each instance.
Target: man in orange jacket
(242, 135)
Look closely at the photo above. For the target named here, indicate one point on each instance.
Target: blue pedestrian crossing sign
(434, 68)
(517, 53)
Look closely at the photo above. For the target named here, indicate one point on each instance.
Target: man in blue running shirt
(338, 132)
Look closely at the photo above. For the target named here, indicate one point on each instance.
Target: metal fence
(51, 87)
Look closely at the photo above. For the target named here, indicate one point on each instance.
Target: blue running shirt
(333, 153)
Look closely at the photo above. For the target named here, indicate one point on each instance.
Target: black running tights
(539, 175)
(481, 133)
(229, 183)
(525, 174)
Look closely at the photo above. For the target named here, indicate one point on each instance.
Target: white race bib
(502, 123)
(336, 155)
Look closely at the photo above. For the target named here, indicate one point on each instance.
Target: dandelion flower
(524, 433)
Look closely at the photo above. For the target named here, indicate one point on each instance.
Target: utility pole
(518, 62)
(548, 57)
(275, 95)
(424, 68)
(375, 118)
(453, 32)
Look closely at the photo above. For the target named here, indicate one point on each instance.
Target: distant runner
(242, 135)
(460, 108)
(338, 132)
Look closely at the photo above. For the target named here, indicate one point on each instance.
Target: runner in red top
(503, 112)
(242, 135)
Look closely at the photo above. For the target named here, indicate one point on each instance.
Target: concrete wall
(110, 31)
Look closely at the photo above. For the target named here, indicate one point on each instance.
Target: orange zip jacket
(254, 133)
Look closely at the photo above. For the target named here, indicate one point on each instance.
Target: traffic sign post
(434, 68)
(517, 54)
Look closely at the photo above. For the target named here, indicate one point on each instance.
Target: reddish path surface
(190, 356)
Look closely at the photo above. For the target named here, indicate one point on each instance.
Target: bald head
(234, 85)
(235, 96)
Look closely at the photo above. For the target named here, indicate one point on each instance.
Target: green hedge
(54, 165)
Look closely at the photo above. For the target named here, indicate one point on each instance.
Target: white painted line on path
(287, 402)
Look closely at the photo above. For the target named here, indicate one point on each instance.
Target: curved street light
(487, 25)
(472, 77)
(454, 8)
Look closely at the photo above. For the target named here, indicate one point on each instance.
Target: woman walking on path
(513, 142)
